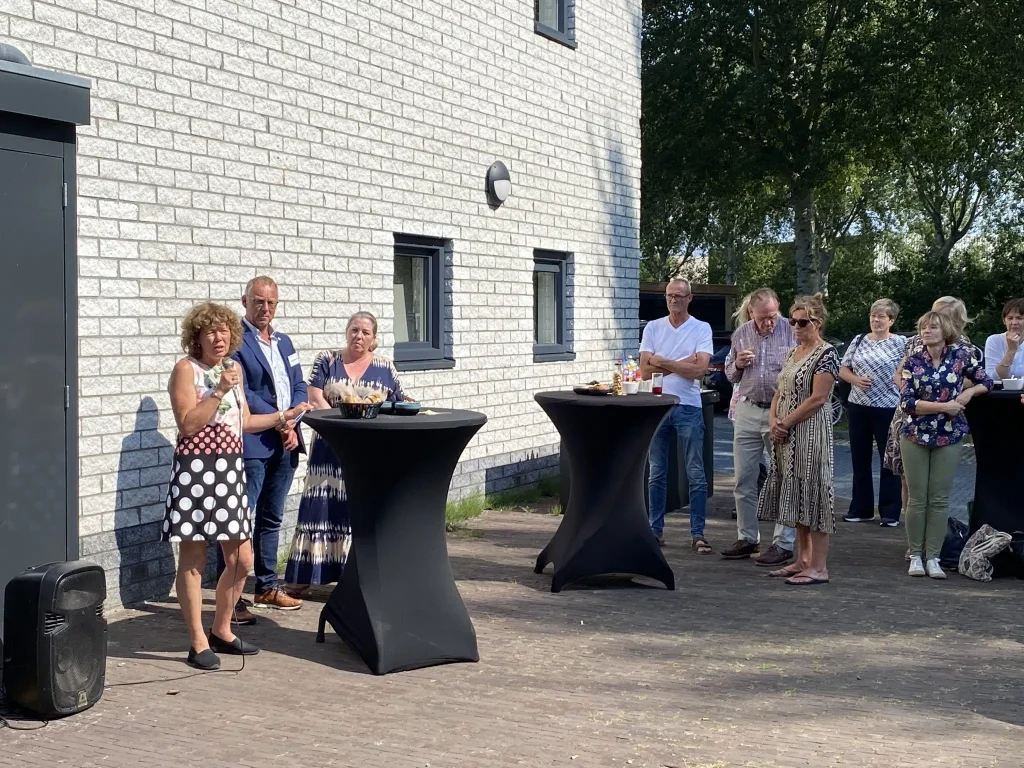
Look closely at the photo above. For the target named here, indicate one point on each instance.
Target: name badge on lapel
(293, 359)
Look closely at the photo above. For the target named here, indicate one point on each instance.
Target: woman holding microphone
(206, 498)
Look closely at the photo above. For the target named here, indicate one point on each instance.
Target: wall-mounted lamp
(499, 183)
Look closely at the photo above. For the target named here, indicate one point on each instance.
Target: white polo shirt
(694, 335)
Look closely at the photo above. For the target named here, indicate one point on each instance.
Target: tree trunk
(825, 258)
(808, 278)
(731, 265)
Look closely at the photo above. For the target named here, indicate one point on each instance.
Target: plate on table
(593, 388)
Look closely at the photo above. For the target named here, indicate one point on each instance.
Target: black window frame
(430, 354)
(555, 262)
(559, 35)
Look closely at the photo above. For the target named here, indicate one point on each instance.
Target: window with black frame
(550, 307)
(419, 300)
(552, 20)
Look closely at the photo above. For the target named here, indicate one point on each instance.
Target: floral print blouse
(960, 368)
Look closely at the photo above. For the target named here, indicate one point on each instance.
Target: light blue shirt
(278, 369)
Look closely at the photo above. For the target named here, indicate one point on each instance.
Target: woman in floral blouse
(938, 383)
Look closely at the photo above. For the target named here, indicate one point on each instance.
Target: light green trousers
(929, 472)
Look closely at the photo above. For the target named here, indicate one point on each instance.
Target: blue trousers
(685, 423)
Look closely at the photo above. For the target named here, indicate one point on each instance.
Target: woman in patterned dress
(938, 383)
(869, 366)
(799, 491)
(206, 498)
(322, 535)
(956, 311)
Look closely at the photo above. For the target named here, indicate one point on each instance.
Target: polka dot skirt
(206, 500)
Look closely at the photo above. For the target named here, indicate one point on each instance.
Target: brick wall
(231, 138)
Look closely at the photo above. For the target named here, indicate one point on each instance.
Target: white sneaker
(916, 566)
(934, 569)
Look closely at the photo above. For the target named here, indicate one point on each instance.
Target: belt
(756, 404)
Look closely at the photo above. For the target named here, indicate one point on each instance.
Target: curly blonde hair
(203, 317)
(814, 306)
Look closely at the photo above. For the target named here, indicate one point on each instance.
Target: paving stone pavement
(731, 669)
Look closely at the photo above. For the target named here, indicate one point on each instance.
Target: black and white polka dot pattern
(206, 500)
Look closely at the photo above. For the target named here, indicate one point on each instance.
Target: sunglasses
(801, 323)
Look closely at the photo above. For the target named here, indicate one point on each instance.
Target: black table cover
(605, 527)
(997, 424)
(397, 604)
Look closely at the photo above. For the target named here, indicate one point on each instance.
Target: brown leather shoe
(740, 550)
(775, 555)
(241, 616)
(276, 598)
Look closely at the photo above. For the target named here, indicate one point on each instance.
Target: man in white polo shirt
(680, 347)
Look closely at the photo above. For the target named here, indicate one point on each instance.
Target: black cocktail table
(396, 603)
(605, 527)
(997, 423)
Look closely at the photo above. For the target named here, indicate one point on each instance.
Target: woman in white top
(1004, 353)
(869, 366)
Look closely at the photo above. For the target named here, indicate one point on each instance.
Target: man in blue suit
(273, 384)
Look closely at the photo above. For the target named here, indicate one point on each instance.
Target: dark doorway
(33, 427)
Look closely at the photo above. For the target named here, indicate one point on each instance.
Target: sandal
(701, 546)
(789, 570)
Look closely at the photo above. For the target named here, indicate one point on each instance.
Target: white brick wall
(294, 138)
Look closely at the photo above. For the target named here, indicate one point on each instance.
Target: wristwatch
(218, 394)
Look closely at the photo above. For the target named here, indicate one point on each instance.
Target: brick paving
(732, 669)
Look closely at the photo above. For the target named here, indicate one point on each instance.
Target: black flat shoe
(206, 660)
(237, 647)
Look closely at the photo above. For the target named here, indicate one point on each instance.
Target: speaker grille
(78, 653)
(79, 590)
(53, 623)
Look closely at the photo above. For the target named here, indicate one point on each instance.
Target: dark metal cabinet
(38, 340)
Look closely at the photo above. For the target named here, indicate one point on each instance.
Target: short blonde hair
(203, 317)
(888, 306)
(946, 324)
(814, 306)
(955, 309)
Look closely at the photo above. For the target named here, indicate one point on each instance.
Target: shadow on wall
(147, 565)
(525, 471)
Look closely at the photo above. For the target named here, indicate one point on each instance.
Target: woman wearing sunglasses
(799, 491)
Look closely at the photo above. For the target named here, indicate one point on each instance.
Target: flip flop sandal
(788, 571)
(809, 581)
(701, 546)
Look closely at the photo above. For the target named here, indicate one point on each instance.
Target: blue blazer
(260, 394)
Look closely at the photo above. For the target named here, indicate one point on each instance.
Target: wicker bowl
(359, 410)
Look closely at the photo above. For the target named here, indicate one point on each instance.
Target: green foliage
(456, 513)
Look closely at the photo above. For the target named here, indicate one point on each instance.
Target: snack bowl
(1013, 385)
(406, 408)
(359, 410)
(388, 406)
(631, 387)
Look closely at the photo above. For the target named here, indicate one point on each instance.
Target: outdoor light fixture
(499, 182)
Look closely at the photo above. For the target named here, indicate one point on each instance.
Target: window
(550, 307)
(553, 19)
(420, 299)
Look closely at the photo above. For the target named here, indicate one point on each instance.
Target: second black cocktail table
(397, 604)
(997, 423)
(605, 527)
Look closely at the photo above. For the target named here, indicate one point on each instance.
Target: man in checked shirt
(759, 348)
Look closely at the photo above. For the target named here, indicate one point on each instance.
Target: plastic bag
(956, 537)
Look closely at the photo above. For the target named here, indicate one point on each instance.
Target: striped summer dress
(322, 535)
(799, 489)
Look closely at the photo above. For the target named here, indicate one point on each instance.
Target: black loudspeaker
(55, 638)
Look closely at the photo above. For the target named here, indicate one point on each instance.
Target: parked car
(715, 377)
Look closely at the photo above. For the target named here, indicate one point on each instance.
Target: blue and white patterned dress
(323, 535)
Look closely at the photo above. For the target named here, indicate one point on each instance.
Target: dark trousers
(267, 484)
(869, 429)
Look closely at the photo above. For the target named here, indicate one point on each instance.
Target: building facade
(342, 147)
